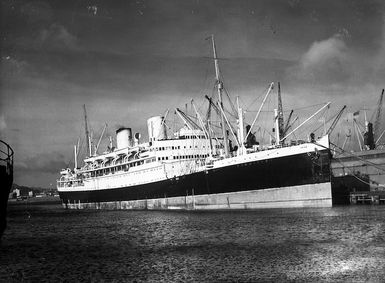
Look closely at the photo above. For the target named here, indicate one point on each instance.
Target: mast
(241, 133)
(277, 127)
(219, 85)
(280, 114)
(76, 157)
(87, 133)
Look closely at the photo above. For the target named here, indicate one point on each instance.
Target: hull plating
(314, 195)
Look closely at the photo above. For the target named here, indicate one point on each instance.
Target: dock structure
(359, 177)
(371, 197)
(368, 162)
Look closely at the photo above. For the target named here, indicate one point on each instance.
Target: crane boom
(87, 132)
(288, 123)
(335, 121)
(378, 115)
(100, 138)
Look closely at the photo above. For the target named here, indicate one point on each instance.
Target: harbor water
(44, 242)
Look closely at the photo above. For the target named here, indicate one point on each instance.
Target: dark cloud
(45, 163)
(35, 12)
(11, 66)
(56, 36)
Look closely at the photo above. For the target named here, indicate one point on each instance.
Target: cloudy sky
(129, 60)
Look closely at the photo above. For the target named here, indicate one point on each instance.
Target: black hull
(288, 171)
(6, 177)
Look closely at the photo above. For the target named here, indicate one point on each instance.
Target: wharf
(371, 197)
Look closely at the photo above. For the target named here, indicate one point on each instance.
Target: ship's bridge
(188, 144)
(186, 133)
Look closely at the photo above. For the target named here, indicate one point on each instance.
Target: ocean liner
(197, 169)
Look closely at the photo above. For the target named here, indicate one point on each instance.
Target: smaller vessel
(6, 175)
(367, 163)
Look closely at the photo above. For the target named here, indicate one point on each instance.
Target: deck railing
(6, 156)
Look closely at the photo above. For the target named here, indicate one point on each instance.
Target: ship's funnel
(156, 128)
(137, 139)
(123, 138)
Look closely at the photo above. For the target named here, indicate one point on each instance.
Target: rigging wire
(359, 158)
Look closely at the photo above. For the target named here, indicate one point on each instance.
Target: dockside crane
(378, 113)
(373, 130)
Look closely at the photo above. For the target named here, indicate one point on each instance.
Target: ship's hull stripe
(314, 195)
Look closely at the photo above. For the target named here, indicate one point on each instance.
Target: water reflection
(342, 243)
